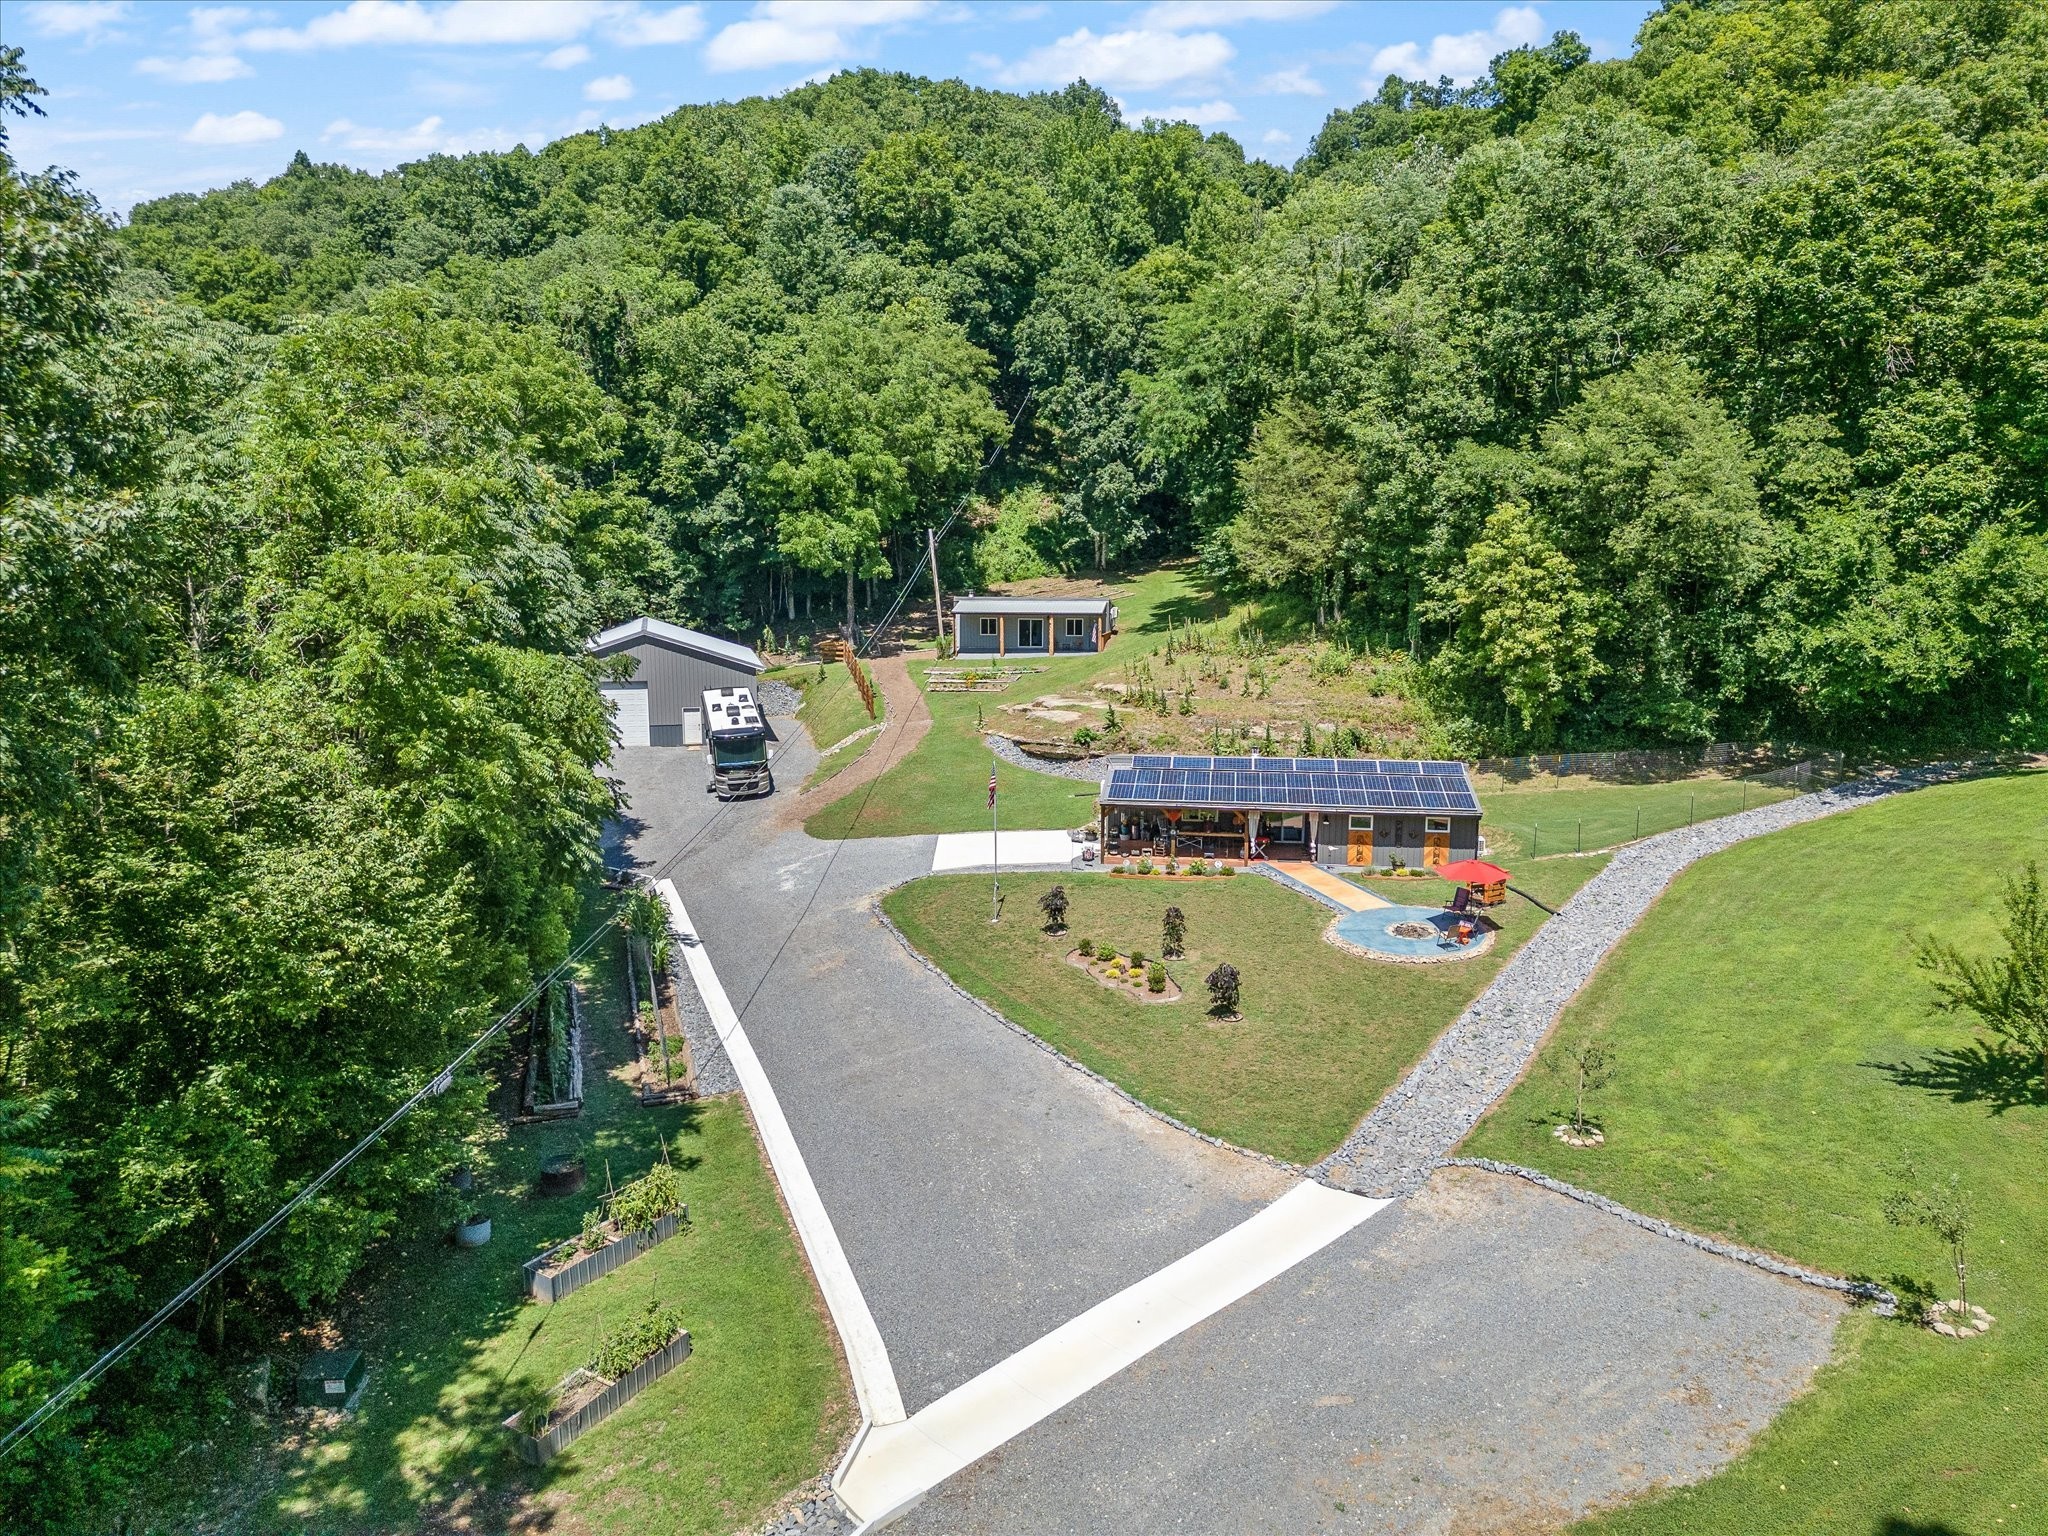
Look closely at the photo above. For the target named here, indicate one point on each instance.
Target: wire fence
(1538, 823)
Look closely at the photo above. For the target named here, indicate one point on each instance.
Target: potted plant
(473, 1230)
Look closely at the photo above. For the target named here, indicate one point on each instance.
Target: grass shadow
(1893, 1525)
(1977, 1073)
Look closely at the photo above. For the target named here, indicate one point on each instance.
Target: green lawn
(759, 1407)
(942, 786)
(1775, 1048)
(1574, 814)
(1324, 1035)
(831, 712)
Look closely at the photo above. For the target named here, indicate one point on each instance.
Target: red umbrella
(1472, 872)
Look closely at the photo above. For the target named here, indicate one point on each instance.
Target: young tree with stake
(1173, 933)
(1944, 1209)
(1587, 1065)
(1223, 990)
(1054, 905)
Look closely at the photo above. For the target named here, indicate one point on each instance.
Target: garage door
(693, 727)
(629, 712)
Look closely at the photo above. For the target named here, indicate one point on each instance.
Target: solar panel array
(1295, 783)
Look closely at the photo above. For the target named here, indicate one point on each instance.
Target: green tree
(2006, 993)
(1053, 904)
(1526, 627)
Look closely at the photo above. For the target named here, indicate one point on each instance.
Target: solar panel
(1142, 761)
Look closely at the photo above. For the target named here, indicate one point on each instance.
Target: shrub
(1225, 870)
(1156, 977)
(1197, 867)
(1137, 959)
(1173, 866)
(1173, 932)
(1085, 949)
(627, 1345)
(1144, 866)
(1223, 989)
(1116, 968)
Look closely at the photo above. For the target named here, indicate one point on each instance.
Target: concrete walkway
(1353, 898)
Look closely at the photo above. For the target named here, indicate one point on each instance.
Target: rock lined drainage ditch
(1393, 1150)
(714, 1071)
(1886, 1304)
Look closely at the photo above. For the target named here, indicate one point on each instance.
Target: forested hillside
(1698, 394)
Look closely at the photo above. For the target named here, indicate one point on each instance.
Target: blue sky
(149, 97)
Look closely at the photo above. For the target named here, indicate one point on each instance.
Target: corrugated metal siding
(675, 682)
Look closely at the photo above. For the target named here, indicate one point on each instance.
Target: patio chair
(1460, 902)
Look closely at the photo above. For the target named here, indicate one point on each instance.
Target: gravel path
(777, 698)
(713, 1067)
(1416, 1126)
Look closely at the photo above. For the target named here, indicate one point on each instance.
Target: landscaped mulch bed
(1136, 988)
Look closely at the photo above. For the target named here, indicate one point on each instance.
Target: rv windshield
(739, 752)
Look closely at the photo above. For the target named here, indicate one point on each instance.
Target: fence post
(1582, 836)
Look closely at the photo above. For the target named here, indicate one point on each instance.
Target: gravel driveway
(1485, 1356)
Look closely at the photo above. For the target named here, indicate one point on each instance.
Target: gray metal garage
(659, 706)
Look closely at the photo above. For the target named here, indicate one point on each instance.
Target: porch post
(1251, 842)
(1048, 634)
(1002, 637)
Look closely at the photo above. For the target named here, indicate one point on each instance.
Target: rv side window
(988, 625)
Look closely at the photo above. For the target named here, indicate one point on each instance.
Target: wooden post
(1048, 634)
(1002, 637)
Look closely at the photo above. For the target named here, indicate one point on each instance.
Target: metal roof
(1034, 607)
(664, 633)
(1295, 784)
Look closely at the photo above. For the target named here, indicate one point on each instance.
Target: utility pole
(931, 544)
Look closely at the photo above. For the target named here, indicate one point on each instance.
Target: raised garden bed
(567, 1267)
(1134, 986)
(554, 1055)
(667, 1074)
(584, 1399)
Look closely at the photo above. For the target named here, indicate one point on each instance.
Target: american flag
(991, 786)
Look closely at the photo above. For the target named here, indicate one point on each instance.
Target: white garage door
(629, 712)
(693, 727)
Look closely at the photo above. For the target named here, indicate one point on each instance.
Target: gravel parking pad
(1485, 1357)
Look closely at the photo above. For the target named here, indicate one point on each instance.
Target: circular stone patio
(1417, 935)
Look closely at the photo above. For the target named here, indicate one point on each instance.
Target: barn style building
(1364, 812)
(661, 705)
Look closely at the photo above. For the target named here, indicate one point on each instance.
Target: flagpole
(995, 891)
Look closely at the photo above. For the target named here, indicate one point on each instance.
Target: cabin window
(988, 626)
(1436, 823)
(1361, 823)
(1076, 628)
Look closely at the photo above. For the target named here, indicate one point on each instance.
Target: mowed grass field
(1571, 815)
(758, 1408)
(831, 712)
(1324, 1033)
(1776, 1047)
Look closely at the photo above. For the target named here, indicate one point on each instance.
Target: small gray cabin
(1359, 811)
(661, 705)
(1031, 626)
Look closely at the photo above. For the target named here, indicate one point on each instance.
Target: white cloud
(427, 136)
(1205, 114)
(637, 28)
(235, 128)
(609, 88)
(1179, 15)
(1276, 136)
(568, 56)
(1461, 55)
(780, 32)
(480, 23)
(88, 21)
(1135, 60)
(1291, 82)
(195, 69)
